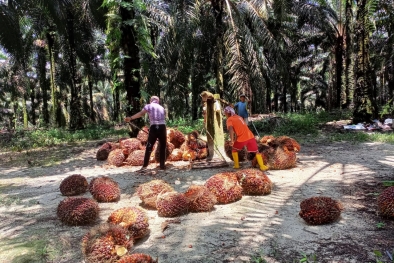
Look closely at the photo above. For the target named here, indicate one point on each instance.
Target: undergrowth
(306, 127)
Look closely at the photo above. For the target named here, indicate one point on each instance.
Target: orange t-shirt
(240, 128)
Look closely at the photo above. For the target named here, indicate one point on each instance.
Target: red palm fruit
(130, 145)
(104, 150)
(177, 139)
(77, 211)
(176, 155)
(74, 185)
(320, 210)
(116, 157)
(134, 219)
(106, 243)
(104, 189)
(137, 258)
(254, 181)
(149, 191)
(171, 204)
(189, 155)
(288, 143)
(228, 149)
(225, 187)
(386, 203)
(184, 147)
(268, 140)
(200, 199)
(277, 158)
(170, 147)
(202, 153)
(143, 135)
(136, 158)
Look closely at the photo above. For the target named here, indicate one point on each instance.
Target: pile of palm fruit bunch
(131, 151)
(221, 188)
(110, 241)
(278, 153)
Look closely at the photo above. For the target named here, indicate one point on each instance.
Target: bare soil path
(253, 229)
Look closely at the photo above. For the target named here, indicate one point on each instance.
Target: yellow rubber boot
(236, 160)
(261, 162)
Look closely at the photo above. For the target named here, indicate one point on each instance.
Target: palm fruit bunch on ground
(149, 191)
(200, 199)
(225, 187)
(116, 157)
(106, 243)
(143, 135)
(104, 150)
(320, 210)
(242, 154)
(137, 258)
(129, 145)
(77, 211)
(104, 189)
(170, 147)
(254, 181)
(176, 155)
(133, 219)
(171, 204)
(278, 153)
(135, 158)
(175, 137)
(74, 185)
(194, 148)
(386, 202)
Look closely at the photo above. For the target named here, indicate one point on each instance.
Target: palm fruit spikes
(175, 137)
(104, 150)
(116, 157)
(170, 147)
(104, 189)
(77, 211)
(228, 149)
(200, 199)
(254, 181)
(176, 155)
(320, 210)
(225, 187)
(143, 135)
(106, 243)
(74, 185)
(135, 158)
(133, 219)
(130, 145)
(386, 203)
(137, 258)
(171, 204)
(149, 191)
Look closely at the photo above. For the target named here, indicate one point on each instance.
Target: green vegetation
(307, 127)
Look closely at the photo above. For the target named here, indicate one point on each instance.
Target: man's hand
(231, 143)
(127, 119)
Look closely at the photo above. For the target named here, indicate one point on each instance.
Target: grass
(305, 127)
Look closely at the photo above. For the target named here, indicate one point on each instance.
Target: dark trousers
(156, 132)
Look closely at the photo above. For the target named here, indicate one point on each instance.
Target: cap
(242, 95)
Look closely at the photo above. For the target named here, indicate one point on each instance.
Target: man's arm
(232, 133)
(136, 116)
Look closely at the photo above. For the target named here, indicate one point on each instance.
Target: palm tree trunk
(76, 122)
(365, 108)
(33, 104)
(24, 112)
(348, 57)
(338, 70)
(55, 93)
(131, 66)
(90, 84)
(43, 84)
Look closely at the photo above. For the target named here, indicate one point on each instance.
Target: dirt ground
(253, 229)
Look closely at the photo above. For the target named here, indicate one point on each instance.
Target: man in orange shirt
(241, 136)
